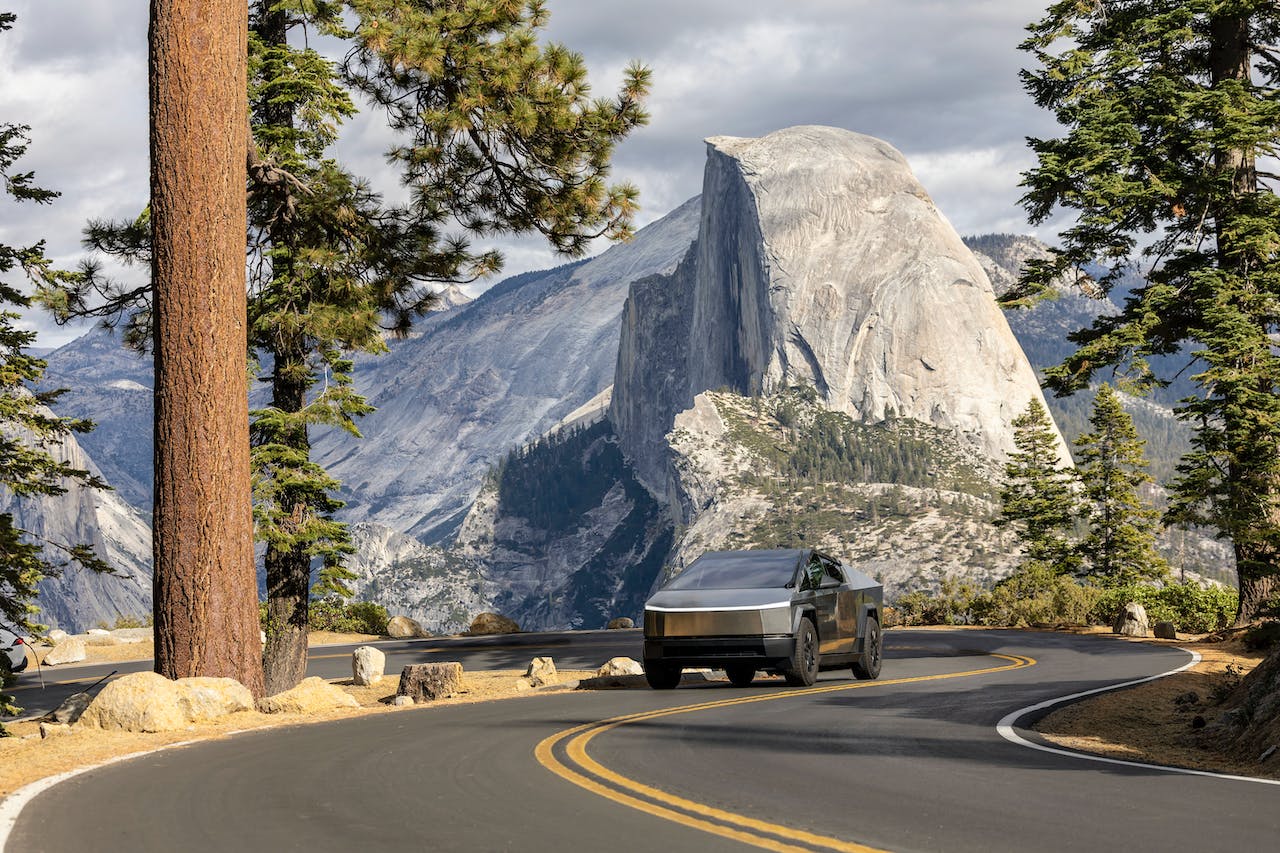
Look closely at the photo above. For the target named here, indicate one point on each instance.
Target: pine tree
(27, 427)
(1169, 108)
(205, 584)
(500, 136)
(1120, 545)
(1037, 498)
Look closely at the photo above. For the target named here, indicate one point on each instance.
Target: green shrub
(1035, 595)
(333, 614)
(953, 605)
(357, 617)
(1190, 607)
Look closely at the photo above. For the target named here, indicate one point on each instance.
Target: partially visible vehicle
(14, 649)
(792, 612)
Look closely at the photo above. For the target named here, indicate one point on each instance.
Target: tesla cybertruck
(790, 612)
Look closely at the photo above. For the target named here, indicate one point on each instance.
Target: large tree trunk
(288, 570)
(206, 603)
(1257, 560)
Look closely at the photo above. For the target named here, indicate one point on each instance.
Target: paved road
(911, 762)
(571, 649)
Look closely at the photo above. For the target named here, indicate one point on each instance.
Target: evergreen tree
(1169, 108)
(500, 137)
(1037, 498)
(27, 428)
(205, 585)
(1120, 545)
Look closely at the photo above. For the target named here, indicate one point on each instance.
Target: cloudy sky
(936, 78)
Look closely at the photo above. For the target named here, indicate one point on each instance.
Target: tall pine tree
(27, 427)
(1120, 545)
(1171, 109)
(1037, 498)
(500, 136)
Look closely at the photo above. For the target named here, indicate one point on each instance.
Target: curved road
(571, 650)
(911, 762)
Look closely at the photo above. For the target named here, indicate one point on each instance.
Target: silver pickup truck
(792, 612)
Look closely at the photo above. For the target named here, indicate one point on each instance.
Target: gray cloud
(936, 79)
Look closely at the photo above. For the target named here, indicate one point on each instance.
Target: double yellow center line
(582, 770)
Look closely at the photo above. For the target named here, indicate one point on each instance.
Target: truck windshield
(739, 570)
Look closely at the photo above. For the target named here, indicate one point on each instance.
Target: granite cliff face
(77, 599)
(820, 261)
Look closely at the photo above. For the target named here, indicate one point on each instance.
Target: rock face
(1132, 621)
(820, 260)
(77, 599)
(367, 665)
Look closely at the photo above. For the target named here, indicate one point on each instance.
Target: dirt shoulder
(25, 757)
(1166, 721)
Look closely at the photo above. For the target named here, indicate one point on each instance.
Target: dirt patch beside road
(1156, 723)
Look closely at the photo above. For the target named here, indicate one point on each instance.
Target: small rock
(522, 684)
(1132, 621)
(314, 695)
(620, 666)
(1233, 719)
(403, 628)
(493, 623)
(1166, 631)
(1197, 722)
(57, 635)
(1189, 698)
(541, 672)
(132, 636)
(70, 650)
(211, 698)
(620, 622)
(425, 682)
(1270, 751)
(367, 665)
(98, 637)
(72, 708)
(48, 730)
(402, 701)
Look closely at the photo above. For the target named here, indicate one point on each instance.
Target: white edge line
(1006, 729)
(716, 609)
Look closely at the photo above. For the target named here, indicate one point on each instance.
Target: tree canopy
(1171, 114)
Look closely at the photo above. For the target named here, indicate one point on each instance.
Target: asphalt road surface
(571, 650)
(910, 762)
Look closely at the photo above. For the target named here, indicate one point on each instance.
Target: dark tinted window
(738, 570)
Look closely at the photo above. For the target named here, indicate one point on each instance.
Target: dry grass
(1145, 723)
(24, 758)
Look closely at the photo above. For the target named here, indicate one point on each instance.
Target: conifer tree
(500, 136)
(1172, 110)
(1037, 498)
(1120, 544)
(27, 428)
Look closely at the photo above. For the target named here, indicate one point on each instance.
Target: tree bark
(206, 604)
(288, 570)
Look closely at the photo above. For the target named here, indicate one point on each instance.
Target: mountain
(77, 599)
(803, 375)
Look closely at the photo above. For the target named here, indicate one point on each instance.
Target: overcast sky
(936, 78)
